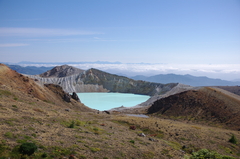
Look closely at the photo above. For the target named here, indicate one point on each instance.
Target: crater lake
(106, 101)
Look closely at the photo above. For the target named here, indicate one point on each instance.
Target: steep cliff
(94, 80)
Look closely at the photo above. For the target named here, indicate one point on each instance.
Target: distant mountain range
(161, 78)
(186, 79)
(29, 70)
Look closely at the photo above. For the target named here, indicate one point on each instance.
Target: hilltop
(39, 113)
(208, 106)
(61, 71)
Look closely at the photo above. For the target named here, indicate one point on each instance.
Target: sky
(199, 37)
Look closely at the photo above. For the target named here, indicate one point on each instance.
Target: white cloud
(222, 71)
(13, 45)
(41, 32)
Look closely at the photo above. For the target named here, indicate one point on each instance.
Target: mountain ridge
(186, 79)
(29, 70)
(94, 80)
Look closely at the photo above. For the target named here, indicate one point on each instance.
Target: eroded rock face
(94, 80)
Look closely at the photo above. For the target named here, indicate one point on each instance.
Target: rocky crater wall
(94, 80)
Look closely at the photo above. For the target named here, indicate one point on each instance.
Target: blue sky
(178, 32)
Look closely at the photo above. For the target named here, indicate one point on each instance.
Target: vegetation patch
(226, 149)
(9, 135)
(14, 106)
(125, 123)
(233, 139)
(174, 145)
(5, 93)
(93, 149)
(27, 148)
(10, 122)
(205, 153)
(57, 151)
(132, 141)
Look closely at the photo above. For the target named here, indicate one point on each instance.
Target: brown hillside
(23, 86)
(206, 105)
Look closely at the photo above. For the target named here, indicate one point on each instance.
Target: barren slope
(211, 106)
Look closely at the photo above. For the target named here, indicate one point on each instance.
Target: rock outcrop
(75, 96)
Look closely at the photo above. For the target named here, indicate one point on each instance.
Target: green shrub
(132, 141)
(27, 148)
(44, 155)
(9, 135)
(233, 139)
(3, 147)
(72, 125)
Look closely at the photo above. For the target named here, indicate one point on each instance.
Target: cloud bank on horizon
(184, 36)
(222, 71)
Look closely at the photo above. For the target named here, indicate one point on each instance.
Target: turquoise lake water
(106, 101)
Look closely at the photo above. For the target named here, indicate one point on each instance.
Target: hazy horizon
(224, 72)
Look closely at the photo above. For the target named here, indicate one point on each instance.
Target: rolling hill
(206, 105)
